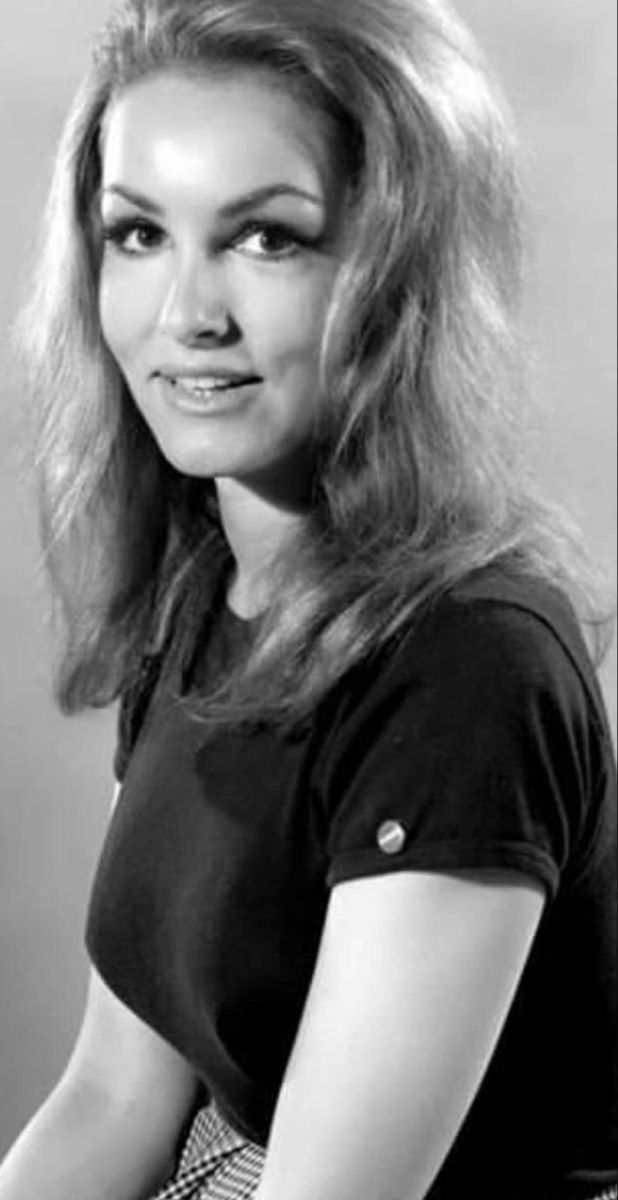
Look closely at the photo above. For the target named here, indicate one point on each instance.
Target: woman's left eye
(269, 242)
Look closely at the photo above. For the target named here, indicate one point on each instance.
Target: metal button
(392, 837)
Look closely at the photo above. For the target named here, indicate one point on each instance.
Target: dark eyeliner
(117, 230)
(293, 236)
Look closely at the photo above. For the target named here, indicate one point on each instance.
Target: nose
(195, 308)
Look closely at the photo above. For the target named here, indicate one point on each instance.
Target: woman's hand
(414, 980)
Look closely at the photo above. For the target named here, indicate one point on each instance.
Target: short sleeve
(134, 703)
(471, 749)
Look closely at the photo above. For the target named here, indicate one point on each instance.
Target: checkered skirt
(216, 1163)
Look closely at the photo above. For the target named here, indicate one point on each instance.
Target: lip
(219, 375)
(222, 401)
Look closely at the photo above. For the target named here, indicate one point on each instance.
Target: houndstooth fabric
(216, 1163)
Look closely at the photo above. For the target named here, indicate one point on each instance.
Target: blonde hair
(421, 474)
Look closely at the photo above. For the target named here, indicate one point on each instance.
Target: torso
(214, 882)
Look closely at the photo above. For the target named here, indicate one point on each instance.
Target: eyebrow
(234, 208)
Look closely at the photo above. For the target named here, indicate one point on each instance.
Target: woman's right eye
(133, 237)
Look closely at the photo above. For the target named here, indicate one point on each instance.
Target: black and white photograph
(308, 720)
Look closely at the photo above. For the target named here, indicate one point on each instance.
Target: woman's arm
(415, 978)
(109, 1129)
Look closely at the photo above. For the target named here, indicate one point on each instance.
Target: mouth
(208, 385)
(215, 382)
(201, 393)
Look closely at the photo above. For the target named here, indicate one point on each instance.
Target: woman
(352, 928)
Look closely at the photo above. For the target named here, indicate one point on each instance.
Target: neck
(257, 528)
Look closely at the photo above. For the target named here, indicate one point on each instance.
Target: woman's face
(221, 213)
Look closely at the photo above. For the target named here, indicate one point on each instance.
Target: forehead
(212, 133)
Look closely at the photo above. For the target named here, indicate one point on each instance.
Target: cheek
(126, 310)
(286, 328)
(116, 316)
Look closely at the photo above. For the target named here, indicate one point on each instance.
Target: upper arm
(126, 1064)
(414, 980)
(123, 1060)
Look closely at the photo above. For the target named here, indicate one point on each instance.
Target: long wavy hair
(421, 473)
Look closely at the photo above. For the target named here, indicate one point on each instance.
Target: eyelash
(118, 232)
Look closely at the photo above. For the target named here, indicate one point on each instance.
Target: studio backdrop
(556, 58)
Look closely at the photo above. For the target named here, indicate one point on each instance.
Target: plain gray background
(557, 60)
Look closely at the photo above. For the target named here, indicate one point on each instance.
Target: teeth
(205, 385)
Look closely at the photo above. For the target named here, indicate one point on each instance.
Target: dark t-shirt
(482, 735)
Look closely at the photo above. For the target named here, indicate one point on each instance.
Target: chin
(197, 466)
(201, 462)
